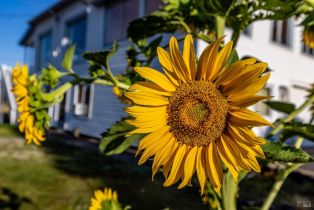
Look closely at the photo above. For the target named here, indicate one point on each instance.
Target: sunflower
(105, 200)
(27, 118)
(308, 38)
(195, 115)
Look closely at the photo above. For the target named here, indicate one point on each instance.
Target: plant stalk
(229, 192)
(220, 26)
(277, 186)
(291, 116)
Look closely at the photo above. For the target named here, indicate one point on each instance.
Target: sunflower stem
(277, 186)
(229, 192)
(235, 37)
(291, 116)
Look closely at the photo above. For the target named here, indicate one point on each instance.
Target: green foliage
(281, 106)
(304, 130)
(116, 141)
(242, 13)
(174, 16)
(277, 151)
(101, 58)
(68, 59)
(99, 62)
(50, 76)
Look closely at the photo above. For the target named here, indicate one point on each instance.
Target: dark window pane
(76, 33)
(274, 38)
(45, 49)
(284, 32)
(118, 16)
(152, 5)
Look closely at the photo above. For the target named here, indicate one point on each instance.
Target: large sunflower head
(195, 114)
(105, 200)
(32, 119)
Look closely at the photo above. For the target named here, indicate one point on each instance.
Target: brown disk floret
(197, 113)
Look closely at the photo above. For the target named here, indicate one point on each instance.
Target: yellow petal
(226, 159)
(233, 71)
(163, 155)
(155, 76)
(189, 166)
(245, 117)
(189, 56)
(215, 172)
(169, 159)
(249, 135)
(206, 65)
(150, 88)
(251, 89)
(152, 138)
(153, 148)
(176, 165)
(221, 60)
(248, 76)
(148, 114)
(165, 62)
(149, 99)
(247, 100)
(200, 168)
(177, 60)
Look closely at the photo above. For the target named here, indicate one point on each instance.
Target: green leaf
(101, 58)
(277, 151)
(68, 59)
(114, 141)
(281, 106)
(125, 144)
(304, 130)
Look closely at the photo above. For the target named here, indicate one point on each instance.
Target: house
(8, 108)
(94, 24)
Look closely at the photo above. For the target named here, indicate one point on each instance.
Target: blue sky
(14, 17)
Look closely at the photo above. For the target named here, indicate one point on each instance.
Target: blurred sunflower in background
(308, 38)
(31, 119)
(195, 114)
(105, 200)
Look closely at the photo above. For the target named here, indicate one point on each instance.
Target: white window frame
(88, 112)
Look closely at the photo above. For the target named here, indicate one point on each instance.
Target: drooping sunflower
(195, 115)
(27, 118)
(105, 200)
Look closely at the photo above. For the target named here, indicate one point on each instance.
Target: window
(152, 5)
(76, 34)
(45, 50)
(283, 94)
(261, 107)
(83, 97)
(118, 16)
(248, 31)
(281, 32)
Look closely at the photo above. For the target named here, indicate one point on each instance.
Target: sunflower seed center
(197, 113)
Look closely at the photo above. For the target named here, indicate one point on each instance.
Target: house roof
(60, 5)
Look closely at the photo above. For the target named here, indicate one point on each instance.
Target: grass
(8, 131)
(60, 176)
